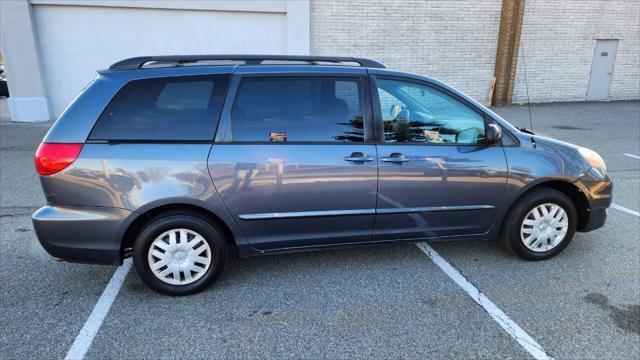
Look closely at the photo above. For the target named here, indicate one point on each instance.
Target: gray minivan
(177, 161)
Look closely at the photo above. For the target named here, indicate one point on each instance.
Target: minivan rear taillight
(52, 158)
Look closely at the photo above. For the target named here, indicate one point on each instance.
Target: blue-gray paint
(442, 192)
(263, 178)
(81, 233)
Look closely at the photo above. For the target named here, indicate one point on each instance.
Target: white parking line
(498, 315)
(88, 332)
(622, 208)
(633, 156)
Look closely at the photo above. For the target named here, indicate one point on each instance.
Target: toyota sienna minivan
(177, 161)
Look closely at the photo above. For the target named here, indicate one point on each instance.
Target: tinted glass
(298, 109)
(176, 108)
(416, 113)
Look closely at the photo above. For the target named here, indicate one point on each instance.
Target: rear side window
(281, 109)
(175, 108)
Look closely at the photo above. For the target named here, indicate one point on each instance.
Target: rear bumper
(81, 234)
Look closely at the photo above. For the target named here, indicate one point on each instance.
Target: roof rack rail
(180, 60)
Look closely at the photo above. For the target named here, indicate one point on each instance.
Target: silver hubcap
(179, 256)
(544, 227)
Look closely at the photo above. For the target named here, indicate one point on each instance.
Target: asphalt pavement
(388, 301)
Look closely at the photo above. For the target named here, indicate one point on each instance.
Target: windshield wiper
(525, 130)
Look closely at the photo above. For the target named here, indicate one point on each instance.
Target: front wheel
(540, 225)
(179, 253)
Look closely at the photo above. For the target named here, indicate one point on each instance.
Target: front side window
(285, 109)
(174, 108)
(418, 113)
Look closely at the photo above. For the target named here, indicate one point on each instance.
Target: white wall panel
(77, 40)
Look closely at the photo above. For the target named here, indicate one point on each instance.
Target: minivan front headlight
(593, 158)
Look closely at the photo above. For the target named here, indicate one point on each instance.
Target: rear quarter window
(174, 108)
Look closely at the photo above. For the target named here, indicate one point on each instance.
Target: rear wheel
(540, 225)
(179, 253)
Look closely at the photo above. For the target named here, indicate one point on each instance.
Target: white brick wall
(558, 40)
(453, 41)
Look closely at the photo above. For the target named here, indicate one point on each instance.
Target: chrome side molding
(303, 214)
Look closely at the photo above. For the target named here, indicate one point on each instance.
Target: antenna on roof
(526, 84)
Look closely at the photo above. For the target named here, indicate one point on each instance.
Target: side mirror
(395, 111)
(494, 134)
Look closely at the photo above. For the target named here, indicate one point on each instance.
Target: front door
(437, 176)
(291, 162)
(604, 58)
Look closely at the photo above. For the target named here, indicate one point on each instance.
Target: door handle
(395, 158)
(358, 157)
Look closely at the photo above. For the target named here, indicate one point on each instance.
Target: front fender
(535, 163)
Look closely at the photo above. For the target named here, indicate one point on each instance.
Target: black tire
(174, 220)
(510, 237)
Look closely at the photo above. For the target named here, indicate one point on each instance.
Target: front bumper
(599, 192)
(596, 220)
(81, 234)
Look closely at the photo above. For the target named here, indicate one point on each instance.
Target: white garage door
(75, 41)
